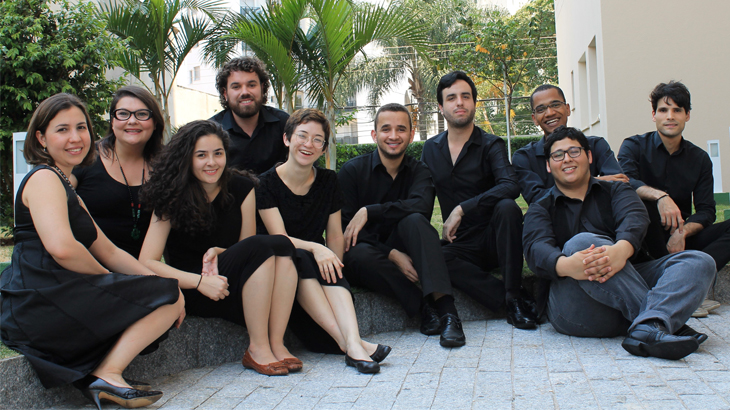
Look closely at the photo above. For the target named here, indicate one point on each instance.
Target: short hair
(154, 144)
(247, 64)
(43, 115)
(303, 116)
(393, 107)
(449, 79)
(675, 90)
(544, 87)
(561, 133)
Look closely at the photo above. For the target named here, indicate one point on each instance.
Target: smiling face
(301, 144)
(552, 118)
(459, 107)
(570, 172)
(393, 135)
(67, 138)
(132, 131)
(209, 159)
(670, 118)
(243, 94)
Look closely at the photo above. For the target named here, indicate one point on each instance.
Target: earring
(44, 149)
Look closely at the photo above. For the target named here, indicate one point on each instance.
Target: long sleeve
(628, 158)
(505, 180)
(539, 243)
(531, 184)
(420, 199)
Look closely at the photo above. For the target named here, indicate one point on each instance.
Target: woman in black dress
(303, 201)
(62, 308)
(110, 186)
(204, 221)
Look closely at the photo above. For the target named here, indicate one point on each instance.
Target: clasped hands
(212, 285)
(596, 263)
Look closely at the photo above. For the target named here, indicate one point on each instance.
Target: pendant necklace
(136, 210)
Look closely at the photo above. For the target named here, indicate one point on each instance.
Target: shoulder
(541, 207)
(524, 152)
(218, 117)
(268, 177)
(275, 114)
(356, 163)
(327, 176)
(595, 141)
(435, 140)
(414, 163)
(240, 184)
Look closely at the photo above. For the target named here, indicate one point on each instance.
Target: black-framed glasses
(316, 141)
(555, 105)
(123, 115)
(559, 155)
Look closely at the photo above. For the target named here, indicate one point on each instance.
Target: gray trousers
(667, 289)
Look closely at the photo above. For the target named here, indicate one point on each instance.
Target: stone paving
(499, 368)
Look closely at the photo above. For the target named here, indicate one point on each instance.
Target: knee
(701, 263)
(414, 224)
(507, 208)
(358, 253)
(415, 219)
(583, 241)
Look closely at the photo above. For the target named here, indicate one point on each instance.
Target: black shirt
(260, 151)
(365, 182)
(481, 177)
(684, 175)
(529, 162)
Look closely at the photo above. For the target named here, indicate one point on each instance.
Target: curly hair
(247, 64)
(174, 193)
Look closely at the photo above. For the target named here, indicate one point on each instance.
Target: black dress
(109, 204)
(66, 322)
(238, 262)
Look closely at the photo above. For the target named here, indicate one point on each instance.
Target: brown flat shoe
(293, 364)
(271, 369)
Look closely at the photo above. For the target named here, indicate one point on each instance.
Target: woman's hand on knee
(330, 266)
(214, 287)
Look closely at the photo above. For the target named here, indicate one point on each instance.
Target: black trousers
(369, 267)
(477, 251)
(713, 240)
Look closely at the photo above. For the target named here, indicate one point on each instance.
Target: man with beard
(550, 111)
(256, 130)
(389, 241)
(476, 188)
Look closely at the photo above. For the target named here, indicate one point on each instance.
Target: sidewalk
(499, 368)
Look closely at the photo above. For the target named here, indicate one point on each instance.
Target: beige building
(611, 54)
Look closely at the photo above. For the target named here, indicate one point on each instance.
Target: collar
(540, 147)
(375, 161)
(265, 115)
(592, 185)
(473, 138)
(656, 141)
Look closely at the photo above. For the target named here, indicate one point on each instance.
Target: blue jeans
(667, 289)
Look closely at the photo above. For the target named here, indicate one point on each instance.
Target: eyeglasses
(559, 155)
(555, 105)
(317, 142)
(124, 115)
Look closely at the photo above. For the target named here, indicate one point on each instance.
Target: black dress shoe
(452, 334)
(688, 331)
(98, 389)
(362, 366)
(653, 339)
(520, 315)
(430, 323)
(381, 353)
(138, 385)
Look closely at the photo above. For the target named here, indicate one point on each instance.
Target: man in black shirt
(579, 238)
(670, 173)
(389, 241)
(476, 187)
(549, 111)
(256, 130)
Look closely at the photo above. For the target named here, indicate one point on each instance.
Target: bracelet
(201, 279)
(663, 196)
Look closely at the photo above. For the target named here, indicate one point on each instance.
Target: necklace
(135, 212)
(65, 178)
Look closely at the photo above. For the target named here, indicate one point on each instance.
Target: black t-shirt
(305, 216)
(185, 251)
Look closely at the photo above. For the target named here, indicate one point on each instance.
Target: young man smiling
(550, 111)
(579, 239)
(389, 241)
(255, 129)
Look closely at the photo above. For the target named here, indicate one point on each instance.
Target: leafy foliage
(44, 52)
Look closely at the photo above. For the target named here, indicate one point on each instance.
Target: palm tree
(160, 34)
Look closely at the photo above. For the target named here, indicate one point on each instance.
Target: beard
(391, 155)
(459, 122)
(247, 111)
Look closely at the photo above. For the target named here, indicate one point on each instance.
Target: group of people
(253, 232)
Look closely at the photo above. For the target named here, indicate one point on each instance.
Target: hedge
(346, 152)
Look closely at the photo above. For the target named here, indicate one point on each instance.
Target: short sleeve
(335, 194)
(240, 187)
(265, 198)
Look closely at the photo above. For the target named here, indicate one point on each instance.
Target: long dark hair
(154, 144)
(174, 192)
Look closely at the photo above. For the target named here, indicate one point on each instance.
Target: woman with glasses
(111, 185)
(303, 202)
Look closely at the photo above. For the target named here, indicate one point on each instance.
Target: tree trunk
(331, 158)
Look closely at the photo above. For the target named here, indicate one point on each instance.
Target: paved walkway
(499, 368)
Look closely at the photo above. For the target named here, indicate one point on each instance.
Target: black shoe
(520, 315)
(653, 339)
(98, 389)
(688, 331)
(138, 385)
(381, 353)
(362, 366)
(430, 323)
(452, 334)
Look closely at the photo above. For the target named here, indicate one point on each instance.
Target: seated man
(549, 111)
(579, 238)
(477, 188)
(389, 241)
(670, 173)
